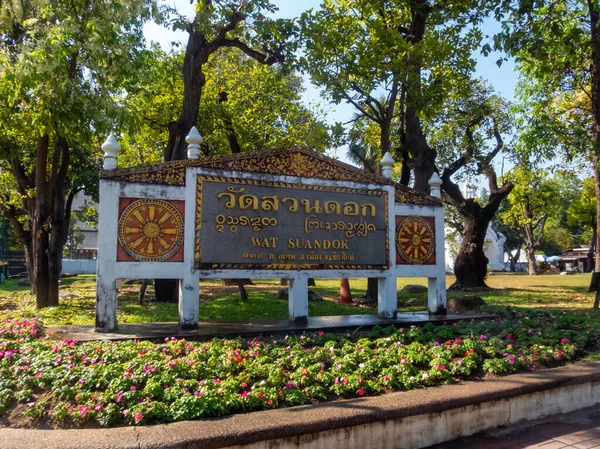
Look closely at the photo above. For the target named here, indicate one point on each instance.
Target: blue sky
(503, 78)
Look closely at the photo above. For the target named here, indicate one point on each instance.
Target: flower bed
(70, 383)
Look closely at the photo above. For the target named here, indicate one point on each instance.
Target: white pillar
(194, 139)
(111, 150)
(298, 298)
(387, 299)
(436, 293)
(435, 183)
(106, 289)
(387, 162)
(189, 285)
(189, 300)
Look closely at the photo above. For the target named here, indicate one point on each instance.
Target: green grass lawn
(216, 302)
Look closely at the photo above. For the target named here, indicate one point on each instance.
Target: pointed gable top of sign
(300, 162)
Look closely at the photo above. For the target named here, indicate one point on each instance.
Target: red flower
(361, 392)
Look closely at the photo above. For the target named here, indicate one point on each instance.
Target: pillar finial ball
(111, 145)
(111, 150)
(194, 137)
(387, 162)
(435, 182)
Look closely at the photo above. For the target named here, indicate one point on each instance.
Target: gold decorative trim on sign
(259, 182)
(300, 162)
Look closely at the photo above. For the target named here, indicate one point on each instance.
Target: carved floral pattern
(299, 162)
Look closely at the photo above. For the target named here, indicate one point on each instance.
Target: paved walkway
(251, 327)
(579, 430)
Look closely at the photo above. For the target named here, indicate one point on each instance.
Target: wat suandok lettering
(268, 225)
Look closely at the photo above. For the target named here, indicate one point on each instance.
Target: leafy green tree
(468, 135)
(61, 65)
(218, 24)
(557, 48)
(394, 61)
(583, 214)
(531, 204)
(245, 106)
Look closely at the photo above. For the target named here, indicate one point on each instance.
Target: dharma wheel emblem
(150, 230)
(414, 240)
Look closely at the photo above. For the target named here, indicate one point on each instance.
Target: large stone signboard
(288, 213)
(254, 224)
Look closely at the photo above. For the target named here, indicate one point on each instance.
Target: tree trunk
(196, 55)
(345, 293)
(166, 290)
(595, 33)
(596, 167)
(470, 266)
(531, 262)
(372, 290)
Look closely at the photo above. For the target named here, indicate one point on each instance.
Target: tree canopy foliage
(62, 65)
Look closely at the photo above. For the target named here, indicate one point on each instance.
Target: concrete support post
(298, 298)
(106, 291)
(436, 295)
(387, 300)
(189, 286)
(189, 300)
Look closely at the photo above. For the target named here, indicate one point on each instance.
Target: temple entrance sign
(288, 213)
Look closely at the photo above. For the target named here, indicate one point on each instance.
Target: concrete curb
(492, 402)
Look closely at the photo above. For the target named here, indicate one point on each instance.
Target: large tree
(468, 134)
(394, 61)
(245, 106)
(532, 204)
(583, 215)
(220, 24)
(61, 62)
(557, 48)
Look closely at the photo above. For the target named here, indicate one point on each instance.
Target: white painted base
(298, 298)
(387, 300)
(425, 430)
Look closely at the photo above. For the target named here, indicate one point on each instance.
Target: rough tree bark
(470, 267)
(44, 232)
(595, 33)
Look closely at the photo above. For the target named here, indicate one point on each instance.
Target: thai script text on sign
(287, 226)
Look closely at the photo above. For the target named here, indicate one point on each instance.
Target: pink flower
(269, 402)
(436, 343)
(244, 394)
(138, 417)
(261, 394)
(402, 361)
(441, 367)
(361, 392)
(386, 378)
